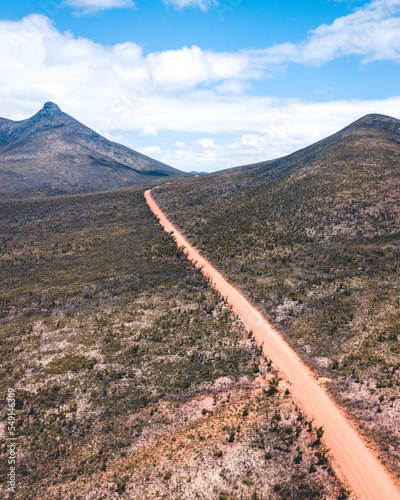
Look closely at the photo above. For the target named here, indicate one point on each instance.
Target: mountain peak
(52, 153)
(49, 109)
(376, 121)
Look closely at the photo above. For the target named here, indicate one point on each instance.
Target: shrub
(248, 481)
(322, 458)
(298, 458)
(312, 468)
(273, 386)
(70, 362)
(344, 493)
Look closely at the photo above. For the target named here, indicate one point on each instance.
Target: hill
(314, 240)
(133, 378)
(52, 153)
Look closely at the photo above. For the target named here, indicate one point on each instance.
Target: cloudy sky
(203, 84)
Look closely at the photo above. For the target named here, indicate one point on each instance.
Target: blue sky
(203, 84)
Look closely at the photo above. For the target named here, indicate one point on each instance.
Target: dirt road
(365, 474)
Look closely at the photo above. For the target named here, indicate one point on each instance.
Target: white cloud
(89, 6)
(232, 87)
(120, 90)
(180, 4)
(206, 143)
(300, 124)
(372, 32)
(149, 130)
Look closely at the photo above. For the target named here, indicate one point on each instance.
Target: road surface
(363, 471)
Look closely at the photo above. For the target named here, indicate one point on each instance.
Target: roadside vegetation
(313, 241)
(133, 378)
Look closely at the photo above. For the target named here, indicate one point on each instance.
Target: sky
(203, 85)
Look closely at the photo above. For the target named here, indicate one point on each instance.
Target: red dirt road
(364, 473)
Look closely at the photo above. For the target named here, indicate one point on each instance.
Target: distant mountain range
(52, 153)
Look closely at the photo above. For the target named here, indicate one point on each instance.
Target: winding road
(366, 476)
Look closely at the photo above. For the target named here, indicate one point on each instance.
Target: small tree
(320, 433)
(344, 493)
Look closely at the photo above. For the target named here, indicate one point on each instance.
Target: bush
(344, 493)
(273, 386)
(298, 458)
(121, 486)
(248, 481)
(322, 458)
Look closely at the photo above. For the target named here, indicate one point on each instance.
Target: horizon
(187, 82)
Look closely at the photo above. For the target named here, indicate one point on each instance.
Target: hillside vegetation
(314, 240)
(133, 378)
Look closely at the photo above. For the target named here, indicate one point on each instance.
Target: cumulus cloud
(372, 32)
(280, 127)
(149, 130)
(121, 91)
(89, 6)
(151, 150)
(206, 143)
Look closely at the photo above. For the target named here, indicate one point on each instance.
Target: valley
(199, 250)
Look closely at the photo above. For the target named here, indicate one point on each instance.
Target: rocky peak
(49, 109)
(375, 123)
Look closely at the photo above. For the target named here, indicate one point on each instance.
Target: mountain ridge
(374, 123)
(52, 153)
